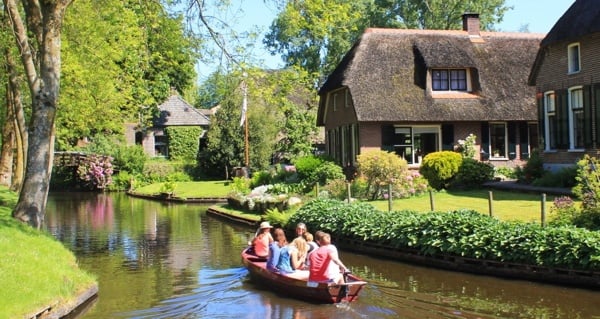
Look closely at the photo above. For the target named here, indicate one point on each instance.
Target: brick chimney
(471, 23)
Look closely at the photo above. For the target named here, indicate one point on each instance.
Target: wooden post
(317, 190)
(348, 191)
(543, 209)
(390, 197)
(431, 200)
(490, 200)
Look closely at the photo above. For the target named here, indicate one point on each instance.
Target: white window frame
(416, 159)
(549, 112)
(574, 58)
(575, 107)
(468, 80)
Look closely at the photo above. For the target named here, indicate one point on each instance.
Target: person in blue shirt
(292, 256)
(279, 241)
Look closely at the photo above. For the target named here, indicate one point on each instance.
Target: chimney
(471, 24)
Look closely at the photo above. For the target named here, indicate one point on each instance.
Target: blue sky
(538, 15)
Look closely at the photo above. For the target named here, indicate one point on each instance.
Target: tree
(41, 58)
(315, 35)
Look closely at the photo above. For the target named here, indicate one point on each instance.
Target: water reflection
(157, 260)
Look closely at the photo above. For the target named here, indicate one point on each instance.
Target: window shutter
(587, 117)
(562, 116)
(524, 140)
(512, 140)
(387, 137)
(541, 122)
(485, 141)
(447, 137)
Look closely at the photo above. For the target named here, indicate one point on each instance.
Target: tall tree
(43, 69)
(315, 35)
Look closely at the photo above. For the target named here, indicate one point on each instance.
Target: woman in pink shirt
(325, 264)
(262, 240)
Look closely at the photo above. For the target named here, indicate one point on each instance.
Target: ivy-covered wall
(184, 142)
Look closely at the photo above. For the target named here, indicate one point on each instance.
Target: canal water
(172, 260)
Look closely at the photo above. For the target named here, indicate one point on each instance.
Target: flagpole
(245, 106)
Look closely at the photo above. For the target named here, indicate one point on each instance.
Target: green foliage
(564, 177)
(505, 172)
(459, 233)
(158, 171)
(278, 218)
(168, 187)
(380, 168)
(260, 178)
(473, 173)
(533, 169)
(125, 158)
(307, 165)
(241, 185)
(439, 168)
(588, 182)
(315, 35)
(328, 171)
(563, 212)
(183, 142)
(122, 181)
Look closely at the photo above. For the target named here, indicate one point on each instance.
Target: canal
(166, 260)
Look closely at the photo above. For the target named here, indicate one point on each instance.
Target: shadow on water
(157, 260)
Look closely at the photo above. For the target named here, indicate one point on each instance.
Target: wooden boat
(297, 285)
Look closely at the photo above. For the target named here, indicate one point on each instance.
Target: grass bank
(202, 189)
(36, 271)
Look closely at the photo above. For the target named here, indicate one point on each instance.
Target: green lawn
(36, 271)
(506, 205)
(203, 189)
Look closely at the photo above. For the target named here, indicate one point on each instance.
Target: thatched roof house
(420, 91)
(175, 111)
(566, 76)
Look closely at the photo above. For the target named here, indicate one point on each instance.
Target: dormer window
(449, 80)
(574, 58)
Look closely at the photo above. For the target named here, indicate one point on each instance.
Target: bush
(122, 181)
(260, 178)
(306, 166)
(563, 212)
(562, 178)
(440, 167)
(533, 169)
(473, 173)
(380, 168)
(328, 171)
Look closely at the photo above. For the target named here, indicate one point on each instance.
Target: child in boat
(325, 265)
(275, 248)
(262, 240)
(292, 256)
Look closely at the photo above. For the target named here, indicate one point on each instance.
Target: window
(335, 97)
(574, 58)
(449, 79)
(414, 142)
(498, 140)
(550, 119)
(576, 118)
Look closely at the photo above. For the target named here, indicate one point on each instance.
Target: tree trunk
(44, 85)
(8, 142)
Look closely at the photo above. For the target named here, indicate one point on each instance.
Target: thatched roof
(386, 70)
(177, 112)
(582, 18)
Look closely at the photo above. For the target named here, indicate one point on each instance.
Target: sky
(538, 15)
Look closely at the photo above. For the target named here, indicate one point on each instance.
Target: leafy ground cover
(36, 270)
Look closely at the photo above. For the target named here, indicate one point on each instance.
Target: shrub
(380, 168)
(306, 166)
(260, 178)
(562, 178)
(563, 212)
(466, 147)
(473, 173)
(412, 183)
(122, 181)
(440, 167)
(95, 172)
(588, 182)
(183, 142)
(328, 171)
(533, 169)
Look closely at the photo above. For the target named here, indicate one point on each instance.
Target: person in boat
(312, 245)
(262, 240)
(292, 256)
(300, 229)
(275, 248)
(325, 264)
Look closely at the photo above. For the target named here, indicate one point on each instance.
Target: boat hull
(297, 284)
